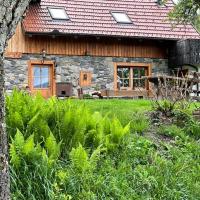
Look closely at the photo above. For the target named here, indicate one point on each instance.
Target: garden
(101, 149)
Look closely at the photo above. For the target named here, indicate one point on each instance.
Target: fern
(16, 149)
(15, 159)
(39, 127)
(53, 148)
(18, 140)
(28, 146)
(79, 159)
(95, 157)
(117, 134)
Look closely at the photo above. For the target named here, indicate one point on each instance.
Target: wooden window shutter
(85, 78)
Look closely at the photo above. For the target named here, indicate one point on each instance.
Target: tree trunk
(4, 168)
(11, 12)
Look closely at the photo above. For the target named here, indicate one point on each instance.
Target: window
(40, 77)
(130, 77)
(121, 17)
(58, 13)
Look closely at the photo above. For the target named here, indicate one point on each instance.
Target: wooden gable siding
(63, 45)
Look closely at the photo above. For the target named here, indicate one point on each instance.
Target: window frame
(131, 65)
(121, 12)
(58, 8)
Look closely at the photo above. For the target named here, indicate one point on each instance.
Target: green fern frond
(29, 145)
(18, 140)
(95, 157)
(52, 147)
(14, 157)
(79, 158)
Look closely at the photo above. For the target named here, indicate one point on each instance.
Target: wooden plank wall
(17, 42)
(185, 52)
(86, 46)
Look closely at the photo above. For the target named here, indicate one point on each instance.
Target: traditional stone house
(62, 45)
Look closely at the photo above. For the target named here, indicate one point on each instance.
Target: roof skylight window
(121, 17)
(58, 13)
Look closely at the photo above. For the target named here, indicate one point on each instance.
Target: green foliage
(185, 11)
(165, 107)
(117, 134)
(81, 161)
(87, 96)
(171, 131)
(60, 150)
(182, 116)
(32, 167)
(139, 123)
(71, 124)
(192, 128)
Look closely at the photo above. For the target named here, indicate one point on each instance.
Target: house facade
(62, 46)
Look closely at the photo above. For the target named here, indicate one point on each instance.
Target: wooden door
(41, 78)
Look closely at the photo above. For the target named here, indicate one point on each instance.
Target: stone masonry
(68, 70)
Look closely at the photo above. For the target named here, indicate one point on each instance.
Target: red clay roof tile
(94, 18)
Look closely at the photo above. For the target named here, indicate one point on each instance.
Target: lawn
(122, 109)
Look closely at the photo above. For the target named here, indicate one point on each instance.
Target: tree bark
(4, 171)
(11, 12)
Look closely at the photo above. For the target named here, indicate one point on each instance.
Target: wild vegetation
(65, 149)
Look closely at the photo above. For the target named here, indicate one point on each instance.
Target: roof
(93, 17)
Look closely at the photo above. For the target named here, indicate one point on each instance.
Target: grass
(122, 109)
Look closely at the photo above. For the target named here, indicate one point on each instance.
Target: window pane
(45, 71)
(36, 71)
(44, 82)
(126, 72)
(135, 73)
(126, 82)
(121, 17)
(142, 72)
(58, 13)
(119, 72)
(36, 82)
(121, 82)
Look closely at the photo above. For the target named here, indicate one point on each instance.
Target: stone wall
(68, 69)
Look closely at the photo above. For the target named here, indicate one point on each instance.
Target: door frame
(41, 62)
